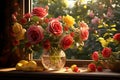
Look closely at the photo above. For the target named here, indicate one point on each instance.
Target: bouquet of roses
(39, 30)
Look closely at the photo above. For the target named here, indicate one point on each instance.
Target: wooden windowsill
(12, 74)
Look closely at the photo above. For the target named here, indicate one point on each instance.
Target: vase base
(53, 62)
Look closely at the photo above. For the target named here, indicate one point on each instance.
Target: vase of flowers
(38, 30)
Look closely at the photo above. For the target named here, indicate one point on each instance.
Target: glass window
(102, 17)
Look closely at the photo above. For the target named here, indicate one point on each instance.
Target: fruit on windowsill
(30, 66)
(91, 67)
(25, 65)
(21, 64)
(75, 68)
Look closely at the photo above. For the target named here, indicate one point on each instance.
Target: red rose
(95, 56)
(27, 15)
(99, 68)
(72, 34)
(66, 28)
(16, 42)
(46, 20)
(55, 27)
(35, 34)
(106, 52)
(23, 20)
(117, 37)
(46, 44)
(91, 67)
(66, 42)
(39, 11)
(28, 44)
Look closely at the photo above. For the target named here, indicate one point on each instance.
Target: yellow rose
(69, 20)
(19, 31)
(21, 35)
(17, 27)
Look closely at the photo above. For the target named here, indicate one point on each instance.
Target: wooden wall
(7, 58)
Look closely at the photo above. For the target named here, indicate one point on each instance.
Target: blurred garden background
(102, 17)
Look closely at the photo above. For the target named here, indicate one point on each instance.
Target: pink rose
(84, 31)
(106, 52)
(83, 25)
(91, 14)
(66, 41)
(55, 27)
(117, 37)
(95, 56)
(35, 34)
(109, 13)
(95, 20)
(39, 11)
(84, 34)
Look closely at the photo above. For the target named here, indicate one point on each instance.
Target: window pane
(102, 17)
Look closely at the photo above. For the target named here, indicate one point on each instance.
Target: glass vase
(53, 59)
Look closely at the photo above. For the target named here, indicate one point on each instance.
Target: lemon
(23, 62)
(30, 66)
(20, 65)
